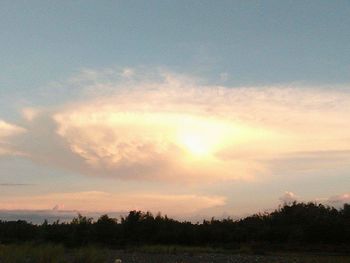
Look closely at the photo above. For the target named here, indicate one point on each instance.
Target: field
(29, 253)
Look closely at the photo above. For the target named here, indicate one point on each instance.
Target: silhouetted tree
(296, 223)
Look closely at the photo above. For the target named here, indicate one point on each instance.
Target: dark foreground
(224, 258)
(29, 253)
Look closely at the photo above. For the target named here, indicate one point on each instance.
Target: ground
(227, 258)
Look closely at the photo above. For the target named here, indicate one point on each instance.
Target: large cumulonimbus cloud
(171, 128)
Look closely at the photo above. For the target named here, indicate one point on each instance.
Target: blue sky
(254, 42)
(60, 58)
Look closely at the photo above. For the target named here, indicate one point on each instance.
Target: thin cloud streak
(97, 201)
(15, 184)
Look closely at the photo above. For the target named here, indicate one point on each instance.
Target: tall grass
(89, 255)
(176, 249)
(30, 253)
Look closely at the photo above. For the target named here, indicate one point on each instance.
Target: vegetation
(31, 253)
(54, 253)
(316, 225)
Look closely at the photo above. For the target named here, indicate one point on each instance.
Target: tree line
(303, 223)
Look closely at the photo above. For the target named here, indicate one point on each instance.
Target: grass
(50, 253)
(244, 249)
(89, 255)
(30, 253)
(176, 249)
(319, 259)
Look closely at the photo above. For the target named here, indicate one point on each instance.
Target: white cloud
(288, 198)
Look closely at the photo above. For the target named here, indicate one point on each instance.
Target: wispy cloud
(339, 199)
(30, 113)
(8, 131)
(98, 201)
(336, 200)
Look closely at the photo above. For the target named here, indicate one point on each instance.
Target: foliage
(297, 223)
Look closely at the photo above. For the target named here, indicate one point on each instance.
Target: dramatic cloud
(170, 128)
(109, 202)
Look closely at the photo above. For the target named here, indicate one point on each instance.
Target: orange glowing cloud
(173, 129)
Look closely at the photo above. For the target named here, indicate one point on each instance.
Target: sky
(191, 108)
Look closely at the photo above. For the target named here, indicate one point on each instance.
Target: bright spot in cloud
(203, 137)
(196, 144)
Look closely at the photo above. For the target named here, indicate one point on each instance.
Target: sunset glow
(212, 108)
(203, 137)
